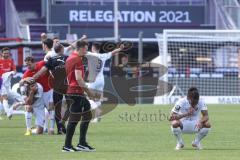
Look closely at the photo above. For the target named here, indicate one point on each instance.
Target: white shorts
(93, 104)
(39, 114)
(97, 85)
(48, 98)
(189, 126)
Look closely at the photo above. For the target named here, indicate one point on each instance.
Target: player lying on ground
(186, 118)
(7, 93)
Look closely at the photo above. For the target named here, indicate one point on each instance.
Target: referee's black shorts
(80, 108)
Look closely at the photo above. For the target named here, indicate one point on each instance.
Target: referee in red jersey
(80, 106)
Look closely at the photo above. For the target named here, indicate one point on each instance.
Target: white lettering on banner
(207, 99)
(73, 15)
(139, 16)
(83, 16)
(229, 100)
(90, 18)
(99, 16)
(108, 16)
(125, 15)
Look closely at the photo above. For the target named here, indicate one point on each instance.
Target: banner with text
(143, 17)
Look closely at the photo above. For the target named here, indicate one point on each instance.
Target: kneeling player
(34, 105)
(185, 118)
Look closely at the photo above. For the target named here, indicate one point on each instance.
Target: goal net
(206, 59)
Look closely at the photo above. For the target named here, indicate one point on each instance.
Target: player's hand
(173, 117)
(91, 94)
(33, 88)
(199, 125)
(190, 111)
(122, 46)
(84, 37)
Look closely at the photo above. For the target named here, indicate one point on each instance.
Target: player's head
(82, 47)
(58, 48)
(55, 40)
(124, 60)
(5, 53)
(30, 62)
(47, 44)
(96, 46)
(193, 96)
(28, 83)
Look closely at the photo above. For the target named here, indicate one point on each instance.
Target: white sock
(177, 133)
(28, 119)
(46, 119)
(5, 105)
(52, 119)
(201, 134)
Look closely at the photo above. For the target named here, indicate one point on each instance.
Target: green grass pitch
(137, 133)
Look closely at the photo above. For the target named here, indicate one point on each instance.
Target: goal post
(206, 59)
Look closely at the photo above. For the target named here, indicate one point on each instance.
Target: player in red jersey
(6, 65)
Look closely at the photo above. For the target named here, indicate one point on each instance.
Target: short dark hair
(58, 47)
(29, 58)
(97, 45)
(5, 49)
(55, 38)
(193, 94)
(81, 44)
(48, 42)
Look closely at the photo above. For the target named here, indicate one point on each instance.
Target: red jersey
(74, 62)
(6, 65)
(43, 79)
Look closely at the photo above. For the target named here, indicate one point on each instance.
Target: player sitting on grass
(185, 118)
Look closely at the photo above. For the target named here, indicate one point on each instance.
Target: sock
(201, 134)
(83, 131)
(52, 119)
(5, 105)
(46, 120)
(28, 119)
(70, 131)
(177, 133)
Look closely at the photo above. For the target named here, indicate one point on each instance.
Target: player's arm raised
(42, 71)
(72, 46)
(116, 51)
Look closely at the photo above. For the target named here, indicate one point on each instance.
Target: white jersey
(49, 54)
(52, 53)
(96, 63)
(182, 106)
(6, 81)
(39, 96)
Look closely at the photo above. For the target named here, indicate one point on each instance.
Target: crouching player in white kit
(185, 118)
(34, 105)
